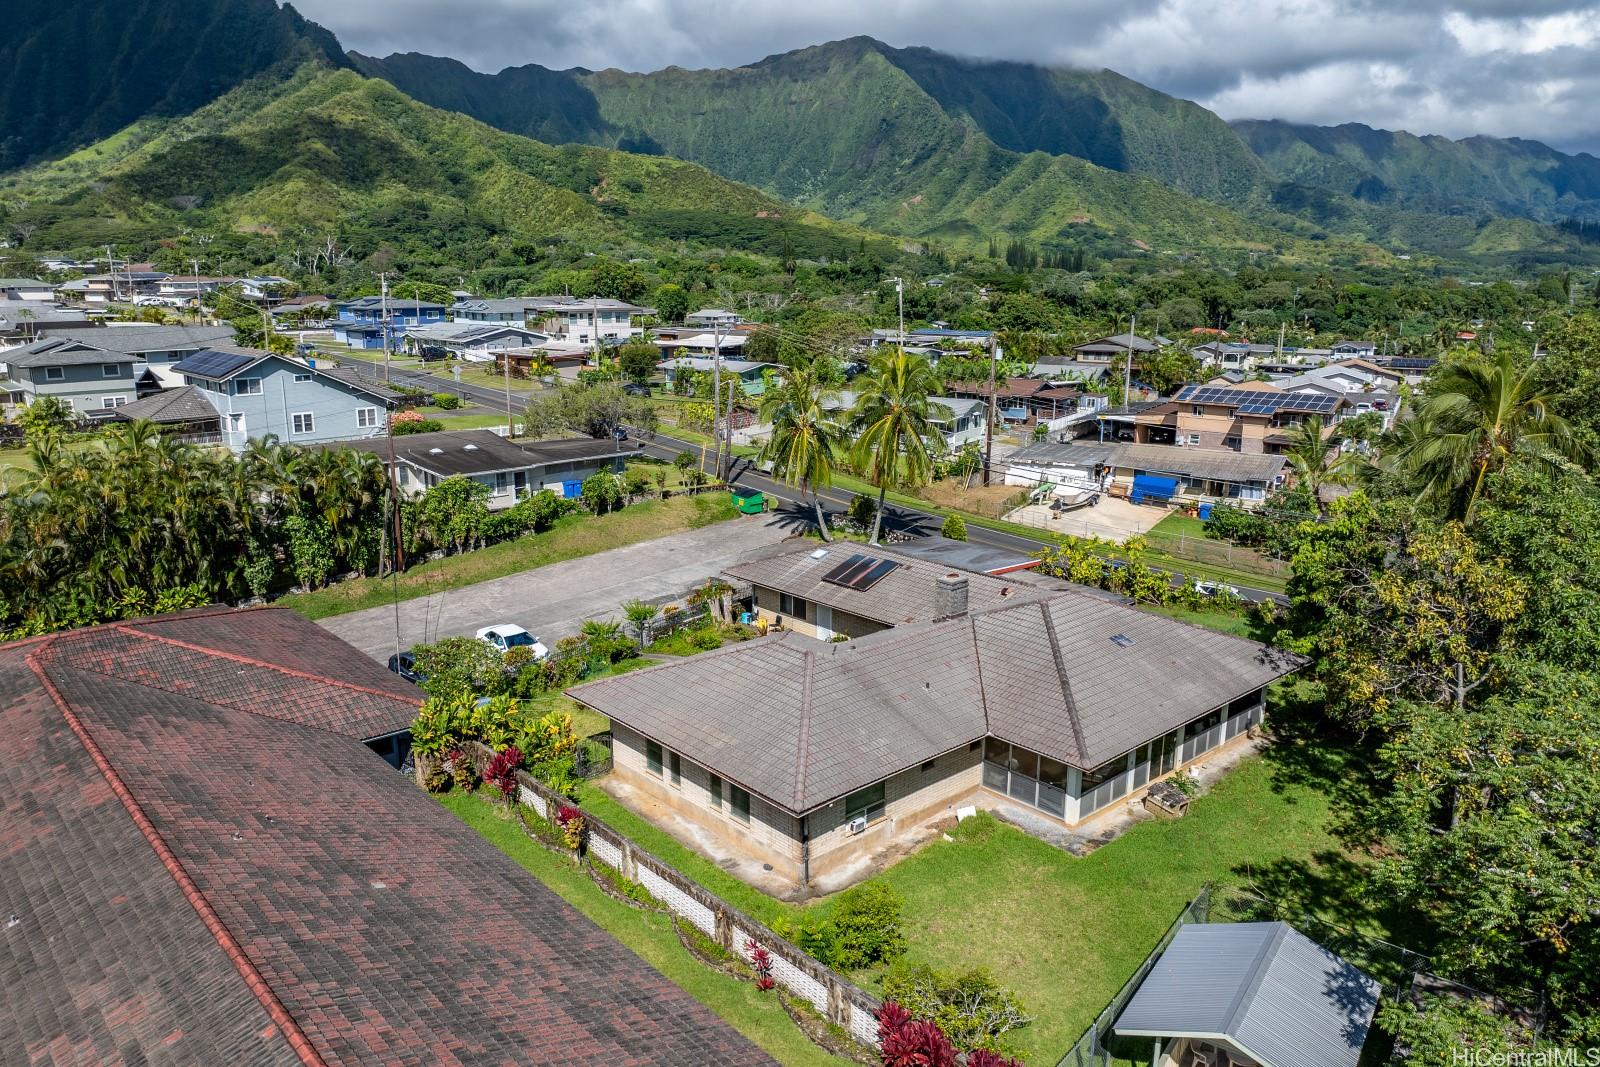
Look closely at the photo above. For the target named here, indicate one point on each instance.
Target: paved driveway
(553, 601)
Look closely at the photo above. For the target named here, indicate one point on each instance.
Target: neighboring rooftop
(469, 452)
(205, 865)
(184, 404)
(1214, 464)
(137, 339)
(1264, 987)
(943, 551)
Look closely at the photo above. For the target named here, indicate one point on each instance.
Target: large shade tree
(893, 420)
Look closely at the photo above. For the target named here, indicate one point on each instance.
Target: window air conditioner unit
(857, 824)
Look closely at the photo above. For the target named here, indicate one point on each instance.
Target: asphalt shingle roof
(803, 722)
(1214, 464)
(139, 339)
(207, 765)
(183, 404)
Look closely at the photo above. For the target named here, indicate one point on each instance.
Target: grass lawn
(570, 538)
(1238, 623)
(1065, 932)
(1174, 526)
(756, 1015)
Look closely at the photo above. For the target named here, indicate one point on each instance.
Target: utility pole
(1127, 361)
(196, 264)
(900, 298)
(383, 315)
(988, 426)
(716, 401)
(505, 362)
(111, 269)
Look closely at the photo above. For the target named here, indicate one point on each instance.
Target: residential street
(552, 602)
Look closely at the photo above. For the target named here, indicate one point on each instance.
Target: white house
(589, 321)
(712, 318)
(25, 289)
(468, 338)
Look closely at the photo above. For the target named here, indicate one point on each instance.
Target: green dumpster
(749, 501)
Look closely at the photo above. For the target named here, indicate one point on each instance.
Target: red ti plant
(907, 1042)
(982, 1057)
(761, 961)
(570, 819)
(502, 771)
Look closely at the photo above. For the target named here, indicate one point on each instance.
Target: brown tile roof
(905, 594)
(802, 722)
(172, 406)
(202, 865)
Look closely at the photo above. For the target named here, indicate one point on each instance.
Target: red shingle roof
(200, 863)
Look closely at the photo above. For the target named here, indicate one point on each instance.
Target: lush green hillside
(1501, 176)
(331, 152)
(74, 73)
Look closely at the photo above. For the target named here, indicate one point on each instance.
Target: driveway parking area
(552, 602)
(1112, 518)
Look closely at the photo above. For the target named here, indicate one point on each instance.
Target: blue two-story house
(360, 323)
(258, 393)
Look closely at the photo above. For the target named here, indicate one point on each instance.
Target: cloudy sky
(1528, 68)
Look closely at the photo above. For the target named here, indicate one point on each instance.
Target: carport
(1252, 995)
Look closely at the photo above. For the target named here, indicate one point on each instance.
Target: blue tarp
(1152, 488)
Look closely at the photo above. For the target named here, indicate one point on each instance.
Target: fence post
(724, 929)
(838, 1003)
(629, 871)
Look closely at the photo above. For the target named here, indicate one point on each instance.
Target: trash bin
(1205, 511)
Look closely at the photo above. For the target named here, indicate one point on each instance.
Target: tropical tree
(806, 441)
(1477, 416)
(642, 614)
(893, 419)
(1317, 461)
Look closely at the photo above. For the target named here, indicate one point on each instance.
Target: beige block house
(818, 758)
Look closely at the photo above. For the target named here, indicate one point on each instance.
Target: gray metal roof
(1275, 994)
(448, 452)
(1213, 464)
(966, 555)
(467, 332)
(802, 722)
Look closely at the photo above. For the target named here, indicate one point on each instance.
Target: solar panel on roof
(209, 364)
(860, 572)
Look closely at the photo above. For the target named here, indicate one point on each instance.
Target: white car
(1217, 589)
(506, 636)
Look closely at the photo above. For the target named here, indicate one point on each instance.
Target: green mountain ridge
(327, 151)
(75, 73)
(1501, 176)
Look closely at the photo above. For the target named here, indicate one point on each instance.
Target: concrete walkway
(552, 602)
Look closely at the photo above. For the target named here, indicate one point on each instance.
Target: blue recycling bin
(1205, 511)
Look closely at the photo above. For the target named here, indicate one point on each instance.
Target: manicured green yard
(570, 538)
(756, 1015)
(1174, 526)
(1065, 932)
(1239, 623)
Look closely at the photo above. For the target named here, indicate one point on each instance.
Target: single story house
(713, 318)
(750, 373)
(1245, 356)
(682, 343)
(25, 289)
(513, 470)
(264, 287)
(1105, 349)
(209, 859)
(257, 393)
(103, 367)
(459, 338)
(1023, 400)
(25, 321)
(1147, 472)
(959, 420)
(818, 757)
(1261, 992)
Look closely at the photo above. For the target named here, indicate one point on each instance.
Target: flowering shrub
(761, 962)
(502, 771)
(982, 1057)
(570, 819)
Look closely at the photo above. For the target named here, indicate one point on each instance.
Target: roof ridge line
(983, 690)
(253, 662)
(1066, 684)
(253, 978)
(803, 742)
(1266, 955)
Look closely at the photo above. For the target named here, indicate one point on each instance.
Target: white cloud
(1504, 67)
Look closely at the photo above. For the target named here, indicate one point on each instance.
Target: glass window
(715, 786)
(1052, 799)
(110, 370)
(997, 751)
(865, 803)
(247, 387)
(677, 768)
(302, 422)
(1024, 762)
(738, 803)
(1104, 773)
(54, 374)
(301, 378)
(366, 418)
(652, 756)
(1052, 773)
(1200, 726)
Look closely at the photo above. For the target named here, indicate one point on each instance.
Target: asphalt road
(896, 517)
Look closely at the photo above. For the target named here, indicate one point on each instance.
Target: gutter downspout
(805, 851)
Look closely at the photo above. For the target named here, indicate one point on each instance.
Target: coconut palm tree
(1317, 460)
(1478, 415)
(893, 419)
(806, 442)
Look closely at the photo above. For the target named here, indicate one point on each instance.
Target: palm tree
(642, 614)
(1478, 416)
(1317, 461)
(806, 442)
(893, 417)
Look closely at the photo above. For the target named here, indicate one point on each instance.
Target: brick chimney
(950, 596)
